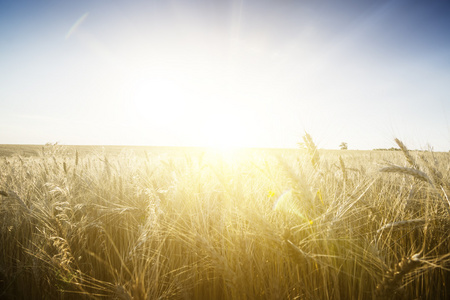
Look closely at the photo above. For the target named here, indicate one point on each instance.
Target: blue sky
(225, 73)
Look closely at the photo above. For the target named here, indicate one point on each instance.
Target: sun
(171, 106)
(226, 131)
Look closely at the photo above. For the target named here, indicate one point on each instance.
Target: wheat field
(254, 224)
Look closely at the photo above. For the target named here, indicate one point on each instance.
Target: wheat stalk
(421, 176)
(436, 176)
(401, 224)
(344, 170)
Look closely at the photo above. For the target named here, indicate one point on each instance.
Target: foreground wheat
(201, 225)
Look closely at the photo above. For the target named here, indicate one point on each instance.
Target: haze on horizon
(253, 73)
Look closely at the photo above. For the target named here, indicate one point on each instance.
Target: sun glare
(199, 112)
(225, 131)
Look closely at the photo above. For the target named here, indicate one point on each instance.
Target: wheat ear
(312, 150)
(409, 158)
(391, 282)
(409, 171)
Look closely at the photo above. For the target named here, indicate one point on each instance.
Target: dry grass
(205, 225)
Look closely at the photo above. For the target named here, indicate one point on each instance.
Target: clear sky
(214, 72)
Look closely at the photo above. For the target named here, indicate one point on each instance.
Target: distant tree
(343, 146)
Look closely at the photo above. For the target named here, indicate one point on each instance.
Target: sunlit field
(197, 223)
